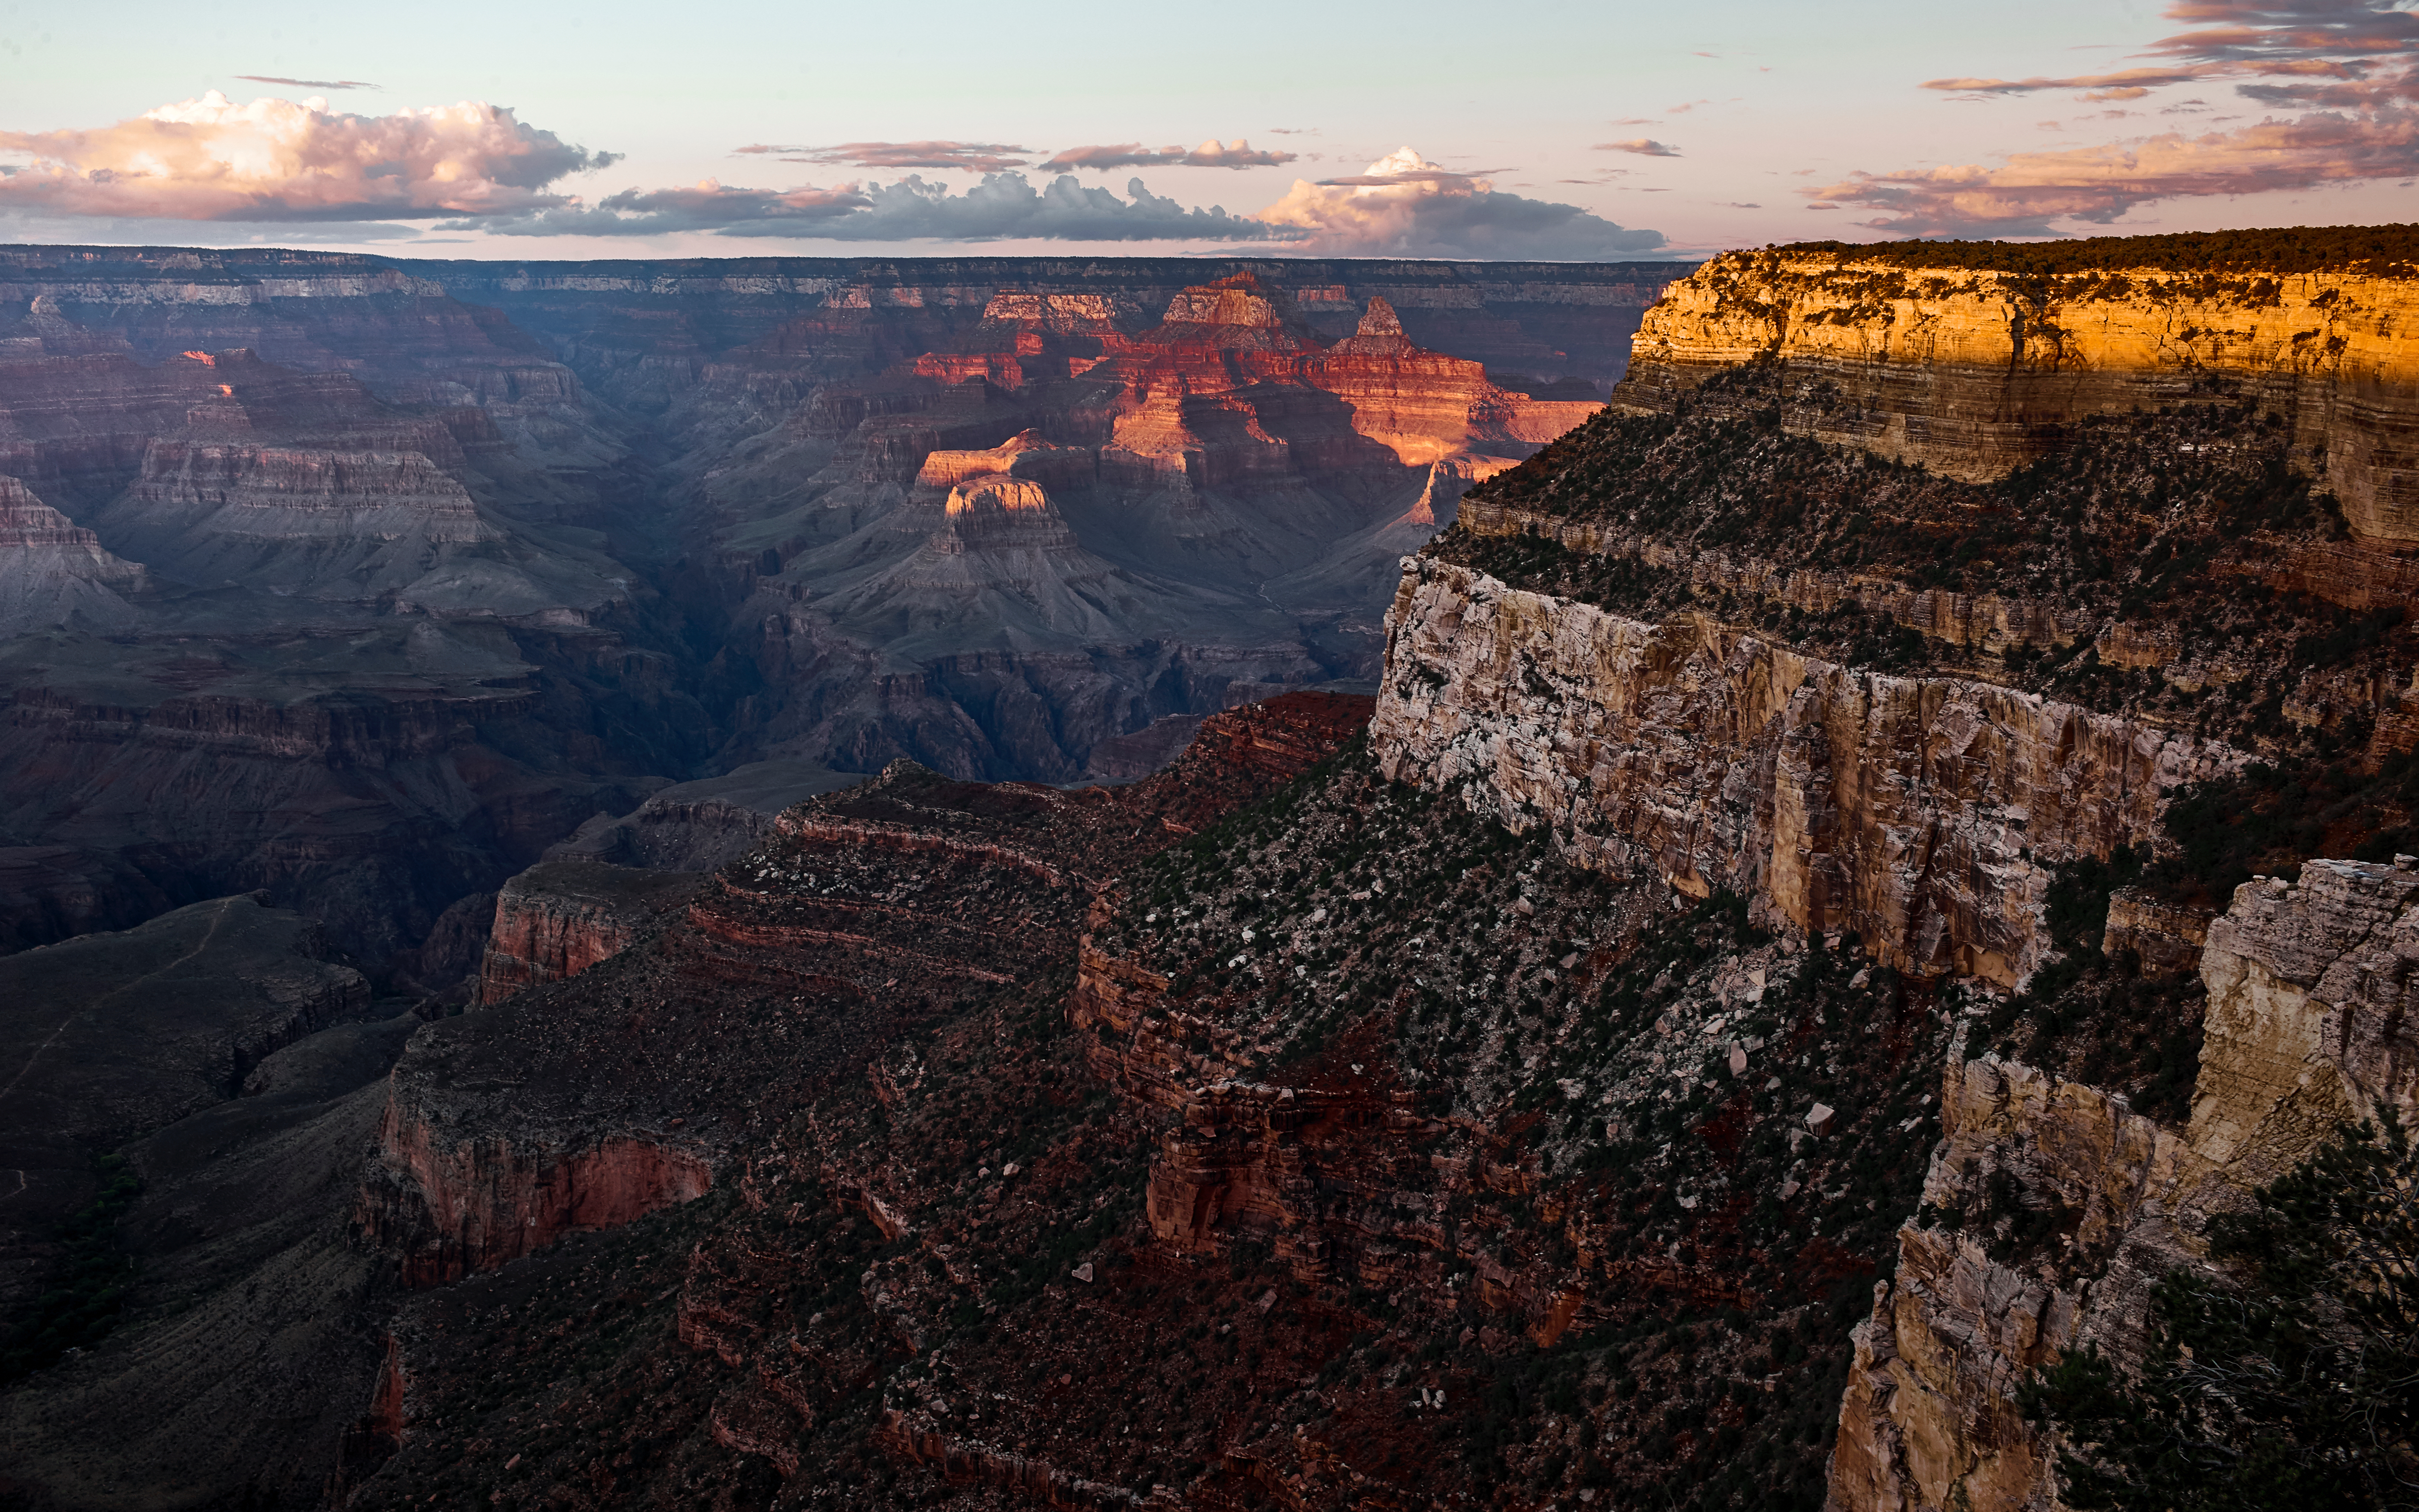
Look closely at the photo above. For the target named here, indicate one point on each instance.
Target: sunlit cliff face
(1008, 494)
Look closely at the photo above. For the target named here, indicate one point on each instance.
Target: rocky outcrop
(1922, 814)
(498, 1138)
(561, 916)
(486, 1201)
(2310, 1004)
(1973, 372)
(55, 575)
(2164, 938)
(2308, 1024)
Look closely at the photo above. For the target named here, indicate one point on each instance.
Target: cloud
(1639, 121)
(2098, 184)
(1643, 146)
(972, 157)
(1210, 154)
(1685, 107)
(307, 83)
(1003, 206)
(2341, 53)
(2354, 64)
(2138, 79)
(278, 159)
(1404, 206)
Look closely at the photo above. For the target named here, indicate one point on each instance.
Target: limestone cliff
(1973, 372)
(1924, 813)
(2309, 1024)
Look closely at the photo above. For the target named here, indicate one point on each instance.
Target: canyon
(1815, 878)
(396, 573)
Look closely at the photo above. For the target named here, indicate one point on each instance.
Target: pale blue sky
(1779, 98)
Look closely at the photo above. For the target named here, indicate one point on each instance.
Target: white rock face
(2312, 1017)
(1924, 813)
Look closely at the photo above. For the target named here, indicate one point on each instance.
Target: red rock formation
(487, 1202)
(478, 1166)
(560, 917)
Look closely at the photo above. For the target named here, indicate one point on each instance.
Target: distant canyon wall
(1546, 319)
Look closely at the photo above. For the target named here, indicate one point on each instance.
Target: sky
(1526, 129)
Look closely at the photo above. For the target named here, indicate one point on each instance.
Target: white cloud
(280, 160)
(973, 157)
(2354, 63)
(1404, 206)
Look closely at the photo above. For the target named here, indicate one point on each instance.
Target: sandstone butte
(1970, 372)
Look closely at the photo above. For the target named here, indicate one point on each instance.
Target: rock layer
(1972, 373)
(561, 916)
(2309, 1024)
(1924, 813)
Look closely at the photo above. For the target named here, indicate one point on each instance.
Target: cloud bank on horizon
(2352, 64)
(1404, 206)
(475, 167)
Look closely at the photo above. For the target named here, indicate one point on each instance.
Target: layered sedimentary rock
(1222, 488)
(280, 457)
(650, 332)
(492, 1203)
(1974, 371)
(561, 916)
(861, 910)
(2308, 1026)
(252, 564)
(1922, 814)
(702, 824)
(56, 574)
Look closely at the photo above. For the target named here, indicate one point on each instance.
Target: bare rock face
(489, 1202)
(2309, 1005)
(561, 916)
(1970, 372)
(55, 573)
(2309, 1008)
(1921, 812)
(1930, 1417)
